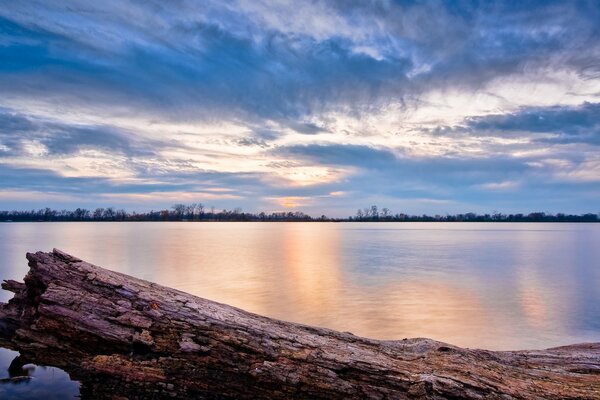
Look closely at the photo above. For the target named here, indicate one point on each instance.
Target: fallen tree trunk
(114, 331)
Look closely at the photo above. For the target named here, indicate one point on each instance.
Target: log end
(65, 256)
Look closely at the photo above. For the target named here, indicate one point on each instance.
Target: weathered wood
(123, 336)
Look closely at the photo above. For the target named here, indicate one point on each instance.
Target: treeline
(179, 212)
(372, 214)
(198, 212)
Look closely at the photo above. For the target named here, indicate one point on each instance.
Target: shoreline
(332, 221)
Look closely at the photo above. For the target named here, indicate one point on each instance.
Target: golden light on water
(477, 287)
(313, 278)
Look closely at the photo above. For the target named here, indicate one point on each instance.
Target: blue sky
(317, 106)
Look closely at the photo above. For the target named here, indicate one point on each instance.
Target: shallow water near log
(496, 286)
(32, 382)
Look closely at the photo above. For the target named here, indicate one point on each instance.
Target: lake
(498, 286)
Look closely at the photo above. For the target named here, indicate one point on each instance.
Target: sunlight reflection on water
(496, 286)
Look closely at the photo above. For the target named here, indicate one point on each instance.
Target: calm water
(46, 383)
(495, 286)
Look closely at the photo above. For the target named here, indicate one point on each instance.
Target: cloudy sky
(317, 106)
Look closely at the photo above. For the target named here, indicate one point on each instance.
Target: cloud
(504, 185)
(340, 154)
(21, 133)
(197, 67)
(478, 180)
(251, 142)
(306, 128)
(574, 124)
(464, 104)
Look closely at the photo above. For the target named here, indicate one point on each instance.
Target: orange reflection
(529, 282)
(533, 303)
(312, 265)
(221, 262)
(315, 274)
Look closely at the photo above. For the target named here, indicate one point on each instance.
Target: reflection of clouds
(497, 286)
(412, 308)
(530, 287)
(546, 283)
(534, 305)
(313, 279)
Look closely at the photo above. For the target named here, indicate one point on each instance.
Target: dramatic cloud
(322, 106)
(580, 124)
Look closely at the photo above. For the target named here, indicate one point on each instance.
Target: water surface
(33, 382)
(495, 286)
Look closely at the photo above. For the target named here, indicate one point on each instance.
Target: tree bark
(128, 338)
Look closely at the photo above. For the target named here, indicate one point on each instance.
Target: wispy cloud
(472, 106)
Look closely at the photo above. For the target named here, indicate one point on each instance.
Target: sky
(316, 106)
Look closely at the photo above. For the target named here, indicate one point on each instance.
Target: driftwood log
(123, 337)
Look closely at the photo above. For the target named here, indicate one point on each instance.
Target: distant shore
(197, 212)
(329, 220)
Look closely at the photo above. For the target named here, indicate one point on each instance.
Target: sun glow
(310, 175)
(291, 201)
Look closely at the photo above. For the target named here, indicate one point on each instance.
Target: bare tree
(109, 213)
(98, 213)
(359, 214)
(374, 212)
(179, 210)
(199, 210)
